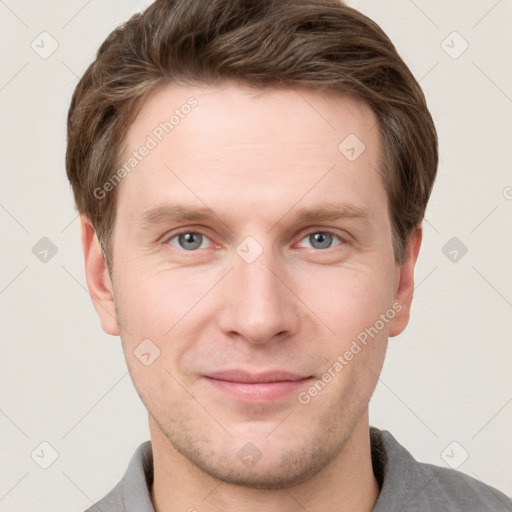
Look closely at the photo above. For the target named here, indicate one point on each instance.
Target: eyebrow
(326, 212)
(333, 211)
(177, 213)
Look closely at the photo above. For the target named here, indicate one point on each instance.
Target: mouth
(256, 387)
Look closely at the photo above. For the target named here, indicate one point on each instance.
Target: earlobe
(98, 279)
(404, 289)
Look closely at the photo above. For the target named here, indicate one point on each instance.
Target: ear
(404, 284)
(98, 278)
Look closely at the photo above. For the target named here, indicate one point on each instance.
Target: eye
(188, 240)
(192, 240)
(322, 239)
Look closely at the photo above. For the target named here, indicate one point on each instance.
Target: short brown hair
(320, 44)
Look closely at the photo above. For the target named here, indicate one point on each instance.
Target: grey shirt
(406, 485)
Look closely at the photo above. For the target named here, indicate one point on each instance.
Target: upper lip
(255, 377)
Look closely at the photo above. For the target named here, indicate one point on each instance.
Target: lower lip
(258, 392)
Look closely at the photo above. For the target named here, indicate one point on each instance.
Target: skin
(254, 158)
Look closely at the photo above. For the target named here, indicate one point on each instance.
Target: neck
(346, 484)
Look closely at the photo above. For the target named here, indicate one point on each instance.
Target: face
(254, 285)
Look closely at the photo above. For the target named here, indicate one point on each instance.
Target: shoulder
(466, 492)
(113, 501)
(414, 486)
(133, 492)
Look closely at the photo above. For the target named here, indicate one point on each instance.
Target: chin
(279, 476)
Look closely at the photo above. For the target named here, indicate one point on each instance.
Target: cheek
(347, 300)
(162, 390)
(352, 303)
(152, 304)
(152, 310)
(159, 317)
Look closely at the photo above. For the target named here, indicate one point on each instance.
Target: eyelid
(311, 231)
(303, 234)
(169, 236)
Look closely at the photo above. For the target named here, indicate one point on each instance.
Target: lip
(256, 387)
(256, 377)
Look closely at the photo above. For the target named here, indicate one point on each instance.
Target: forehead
(252, 115)
(231, 139)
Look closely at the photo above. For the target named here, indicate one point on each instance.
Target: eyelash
(307, 234)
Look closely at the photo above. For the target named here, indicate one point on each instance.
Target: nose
(258, 304)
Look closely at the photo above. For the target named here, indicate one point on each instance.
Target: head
(258, 116)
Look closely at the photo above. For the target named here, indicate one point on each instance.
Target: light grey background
(63, 381)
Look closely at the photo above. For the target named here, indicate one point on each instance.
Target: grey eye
(189, 241)
(320, 240)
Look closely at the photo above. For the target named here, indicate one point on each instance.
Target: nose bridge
(258, 306)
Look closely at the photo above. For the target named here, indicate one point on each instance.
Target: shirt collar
(401, 477)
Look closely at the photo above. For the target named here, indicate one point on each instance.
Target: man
(252, 179)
